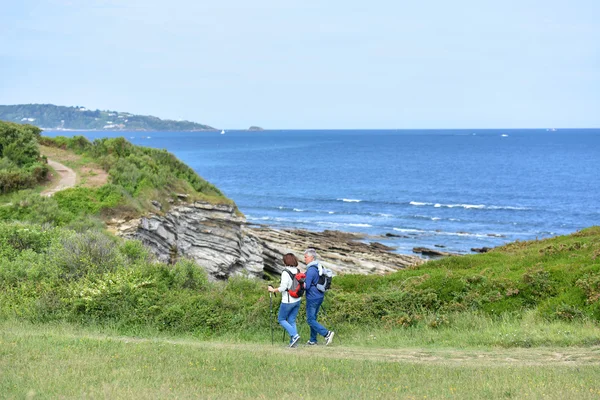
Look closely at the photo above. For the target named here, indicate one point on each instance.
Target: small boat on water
(222, 132)
(504, 135)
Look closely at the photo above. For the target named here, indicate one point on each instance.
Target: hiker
(314, 299)
(290, 305)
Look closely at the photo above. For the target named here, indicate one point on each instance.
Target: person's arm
(284, 284)
(310, 277)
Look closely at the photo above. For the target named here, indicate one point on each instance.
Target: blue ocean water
(454, 188)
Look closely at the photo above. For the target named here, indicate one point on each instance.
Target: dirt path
(67, 178)
(565, 356)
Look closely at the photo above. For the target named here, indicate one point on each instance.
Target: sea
(451, 190)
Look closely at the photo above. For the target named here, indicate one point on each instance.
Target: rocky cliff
(224, 244)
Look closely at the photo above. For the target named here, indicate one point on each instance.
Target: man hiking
(314, 299)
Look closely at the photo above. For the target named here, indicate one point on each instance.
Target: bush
(90, 253)
(21, 164)
(186, 274)
(18, 237)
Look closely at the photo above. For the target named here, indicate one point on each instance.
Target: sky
(306, 64)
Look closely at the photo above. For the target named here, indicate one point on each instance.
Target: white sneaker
(329, 337)
(294, 341)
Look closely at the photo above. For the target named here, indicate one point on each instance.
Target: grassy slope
(557, 277)
(61, 361)
(115, 180)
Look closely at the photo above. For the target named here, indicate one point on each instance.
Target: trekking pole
(271, 314)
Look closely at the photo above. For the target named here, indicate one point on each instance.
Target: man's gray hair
(311, 252)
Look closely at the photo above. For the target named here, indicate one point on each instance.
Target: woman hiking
(289, 305)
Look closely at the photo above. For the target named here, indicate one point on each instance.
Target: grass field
(63, 361)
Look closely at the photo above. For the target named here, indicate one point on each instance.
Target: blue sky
(310, 64)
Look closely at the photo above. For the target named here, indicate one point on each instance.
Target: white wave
(508, 208)
(468, 206)
(435, 219)
(408, 230)
(298, 209)
(381, 215)
(331, 212)
(251, 218)
(361, 225)
(440, 233)
(350, 200)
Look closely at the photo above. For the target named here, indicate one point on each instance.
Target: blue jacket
(312, 277)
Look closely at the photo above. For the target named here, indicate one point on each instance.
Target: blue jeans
(312, 309)
(287, 317)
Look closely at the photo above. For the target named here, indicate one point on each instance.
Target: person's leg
(282, 318)
(312, 310)
(293, 314)
(292, 320)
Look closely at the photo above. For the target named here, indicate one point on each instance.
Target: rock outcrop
(432, 252)
(343, 252)
(221, 241)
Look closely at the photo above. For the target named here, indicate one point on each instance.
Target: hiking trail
(67, 179)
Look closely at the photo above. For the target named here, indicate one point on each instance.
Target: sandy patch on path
(88, 175)
(93, 177)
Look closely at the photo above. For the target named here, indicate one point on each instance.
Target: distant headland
(50, 116)
(255, 128)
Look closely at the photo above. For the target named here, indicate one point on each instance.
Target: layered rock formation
(221, 241)
(343, 252)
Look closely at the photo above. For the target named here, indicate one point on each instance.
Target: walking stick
(271, 314)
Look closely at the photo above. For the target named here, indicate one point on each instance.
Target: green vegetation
(559, 278)
(50, 116)
(137, 176)
(21, 165)
(57, 274)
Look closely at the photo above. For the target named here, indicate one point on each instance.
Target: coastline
(123, 130)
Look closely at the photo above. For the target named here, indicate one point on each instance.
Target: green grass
(62, 361)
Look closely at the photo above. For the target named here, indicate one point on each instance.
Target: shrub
(590, 284)
(18, 237)
(89, 253)
(22, 165)
(186, 274)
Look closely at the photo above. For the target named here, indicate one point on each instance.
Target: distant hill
(49, 116)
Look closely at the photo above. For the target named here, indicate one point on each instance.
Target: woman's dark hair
(290, 260)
